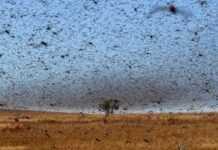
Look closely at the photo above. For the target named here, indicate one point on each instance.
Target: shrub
(108, 106)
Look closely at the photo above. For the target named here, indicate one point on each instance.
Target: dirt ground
(23, 130)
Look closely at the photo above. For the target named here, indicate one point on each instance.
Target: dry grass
(13, 148)
(49, 131)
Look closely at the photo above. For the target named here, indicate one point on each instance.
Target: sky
(71, 55)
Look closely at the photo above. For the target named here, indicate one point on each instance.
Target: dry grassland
(23, 130)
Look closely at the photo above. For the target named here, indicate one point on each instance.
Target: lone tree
(108, 106)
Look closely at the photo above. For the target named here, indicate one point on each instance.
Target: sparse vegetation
(108, 106)
(150, 131)
(182, 147)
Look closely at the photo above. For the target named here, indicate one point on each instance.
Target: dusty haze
(68, 55)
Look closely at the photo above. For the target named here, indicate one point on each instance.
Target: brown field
(22, 130)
